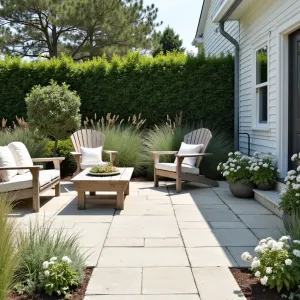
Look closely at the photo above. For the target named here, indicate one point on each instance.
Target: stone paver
(168, 281)
(146, 208)
(115, 281)
(144, 297)
(236, 252)
(218, 237)
(164, 242)
(210, 257)
(187, 225)
(129, 242)
(227, 225)
(267, 232)
(143, 257)
(217, 283)
(249, 209)
(262, 221)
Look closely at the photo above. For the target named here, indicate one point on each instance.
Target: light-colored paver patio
(163, 245)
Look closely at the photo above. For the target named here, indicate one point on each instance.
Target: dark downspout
(236, 83)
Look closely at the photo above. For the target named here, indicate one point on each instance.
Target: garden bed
(77, 294)
(252, 288)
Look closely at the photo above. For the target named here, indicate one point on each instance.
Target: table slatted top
(125, 175)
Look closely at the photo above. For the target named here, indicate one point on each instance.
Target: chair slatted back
(88, 138)
(199, 136)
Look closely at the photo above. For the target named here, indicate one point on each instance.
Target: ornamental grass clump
(277, 263)
(264, 170)
(290, 195)
(237, 168)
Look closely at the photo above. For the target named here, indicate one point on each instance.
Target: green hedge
(200, 87)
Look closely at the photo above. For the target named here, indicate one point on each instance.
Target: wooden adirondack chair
(88, 138)
(182, 172)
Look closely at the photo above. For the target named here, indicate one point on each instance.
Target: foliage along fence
(200, 87)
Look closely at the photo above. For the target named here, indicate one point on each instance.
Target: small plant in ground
(264, 169)
(237, 168)
(290, 195)
(36, 245)
(104, 169)
(53, 110)
(58, 276)
(9, 257)
(277, 263)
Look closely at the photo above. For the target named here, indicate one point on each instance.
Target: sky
(181, 15)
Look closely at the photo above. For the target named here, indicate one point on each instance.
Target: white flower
(285, 238)
(257, 274)
(51, 263)
(47, 273)
(269, 270)
(296, 252)
(232, 165)
(264, 280)
(53, 258)
(45, 265)
(259, 249)
(288, 262)
(218, 168)
(291, 172)
(265, 165)
(226, 167)
(226, 173)
(238, 167)
(296, 186)
(255, 263)
(277, 246)
(237, 153)
(288, 183)
(298, 168)
(294, 157)
(66, 259)
(263, 241)
(230, 154)
(297, 195)
(232, 169)
(260, 163)
(292, 177)
(246, 256)
(256, 168)
(296, 241)
(256, 153)
(298, 178)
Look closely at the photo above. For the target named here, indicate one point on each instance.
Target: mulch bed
(78, 293)
(252, 288)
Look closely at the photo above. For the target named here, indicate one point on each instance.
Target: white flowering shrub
(277, 263)
(290, 195)
(237, 168)
(58, 276)
(264, 169)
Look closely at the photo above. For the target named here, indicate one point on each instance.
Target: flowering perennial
(277, 263)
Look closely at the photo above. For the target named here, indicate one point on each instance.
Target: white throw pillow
(21, 156)
(189, 149)
(91, 156)
(7, 160)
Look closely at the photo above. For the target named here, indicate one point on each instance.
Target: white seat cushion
(7, 160)
(21, 156)
(189, 149)
(90, 165)
(91, 156)
(24, 181)
(172, 168)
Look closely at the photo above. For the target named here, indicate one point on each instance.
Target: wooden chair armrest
(193, 154)
(110, 151)
(48, 159)
(164, 152)
(22, 168)
(76, 153)
(112, 155)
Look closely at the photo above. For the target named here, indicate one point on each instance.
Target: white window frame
(255, 112)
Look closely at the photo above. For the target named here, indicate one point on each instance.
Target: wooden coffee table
(117, 183)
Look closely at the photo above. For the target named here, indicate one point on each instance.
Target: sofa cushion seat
(172, 168)
(24, 181)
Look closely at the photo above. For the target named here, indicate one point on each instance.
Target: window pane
(262, 94)
(262, 65)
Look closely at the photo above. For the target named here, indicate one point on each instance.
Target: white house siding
(214, 43)
(259, 23)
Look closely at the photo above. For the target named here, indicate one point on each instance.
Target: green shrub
(37, 245)
(128, 142)
(292, 226)
(8, 251)
(35, 144)
(201, 87)
(53, 110)
(68, 166)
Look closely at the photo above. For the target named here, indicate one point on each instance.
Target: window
(261, 85)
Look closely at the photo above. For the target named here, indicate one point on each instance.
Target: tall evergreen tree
(78, 28)
(168, 41)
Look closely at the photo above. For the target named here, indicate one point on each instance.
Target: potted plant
(237, 172)
(264, 172)
(290, 195)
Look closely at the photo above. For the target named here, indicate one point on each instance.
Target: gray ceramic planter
(241, 190)
(266, 187)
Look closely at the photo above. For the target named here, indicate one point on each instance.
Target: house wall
(258, 25)
(214, 43)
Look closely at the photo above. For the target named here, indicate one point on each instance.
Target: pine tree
(81, 29)
(168, 41)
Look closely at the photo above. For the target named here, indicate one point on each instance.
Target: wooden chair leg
(57, 190)
(156, 183)
(178, 185)
(178, 171)
(35, 189)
